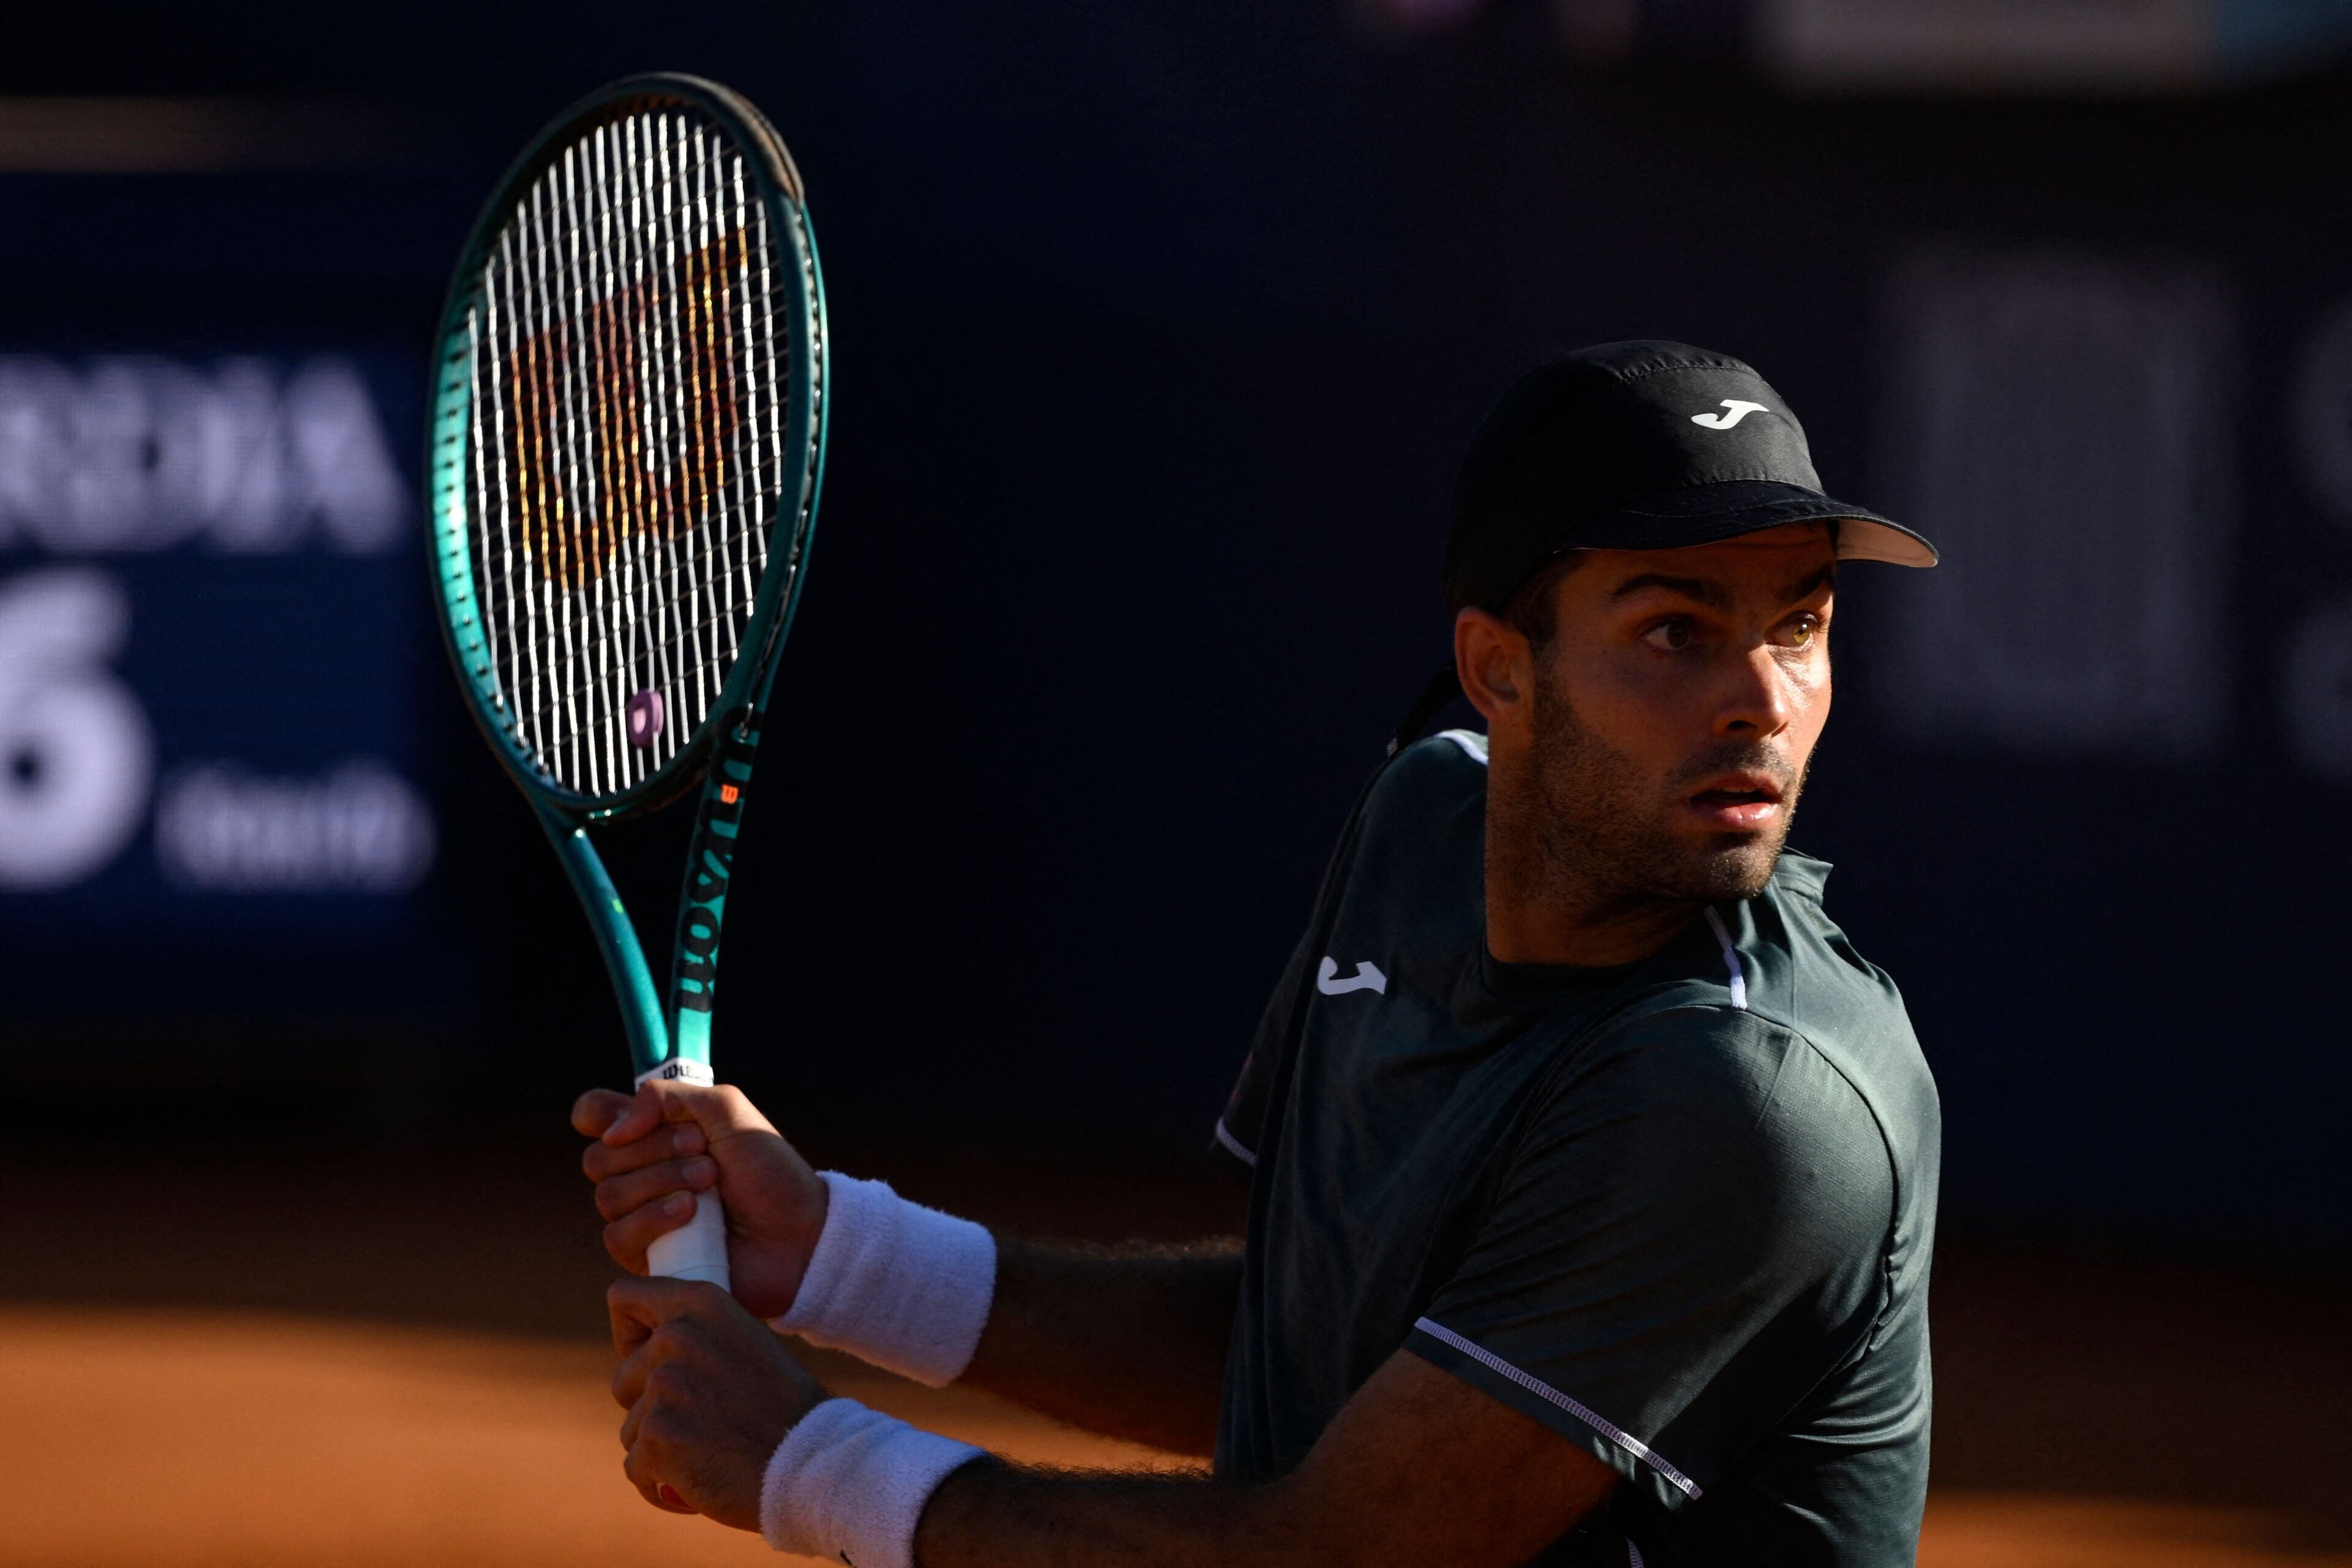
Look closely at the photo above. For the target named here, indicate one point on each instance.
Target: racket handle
(697, 1249)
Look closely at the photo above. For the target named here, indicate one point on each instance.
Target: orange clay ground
(242, 1367)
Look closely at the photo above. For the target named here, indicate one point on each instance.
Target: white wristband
(849, 1483)
(897, 1285)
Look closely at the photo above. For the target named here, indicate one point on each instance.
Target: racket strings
(629, 376)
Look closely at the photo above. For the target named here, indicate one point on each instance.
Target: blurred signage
(136, 454)
(210, 622)
(80, 752)
(2069, 47)
(2056, 423)
(2316, 694)
(2041, 45)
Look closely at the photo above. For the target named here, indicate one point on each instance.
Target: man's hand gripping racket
(627, 443)
(674, 1139)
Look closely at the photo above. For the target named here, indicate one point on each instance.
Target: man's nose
(1760, 699)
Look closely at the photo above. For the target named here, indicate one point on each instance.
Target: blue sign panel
(213, 634)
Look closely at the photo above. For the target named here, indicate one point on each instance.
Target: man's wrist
(905, 1287)
(849, 1484)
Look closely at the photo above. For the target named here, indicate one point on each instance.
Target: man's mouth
(1738, 803)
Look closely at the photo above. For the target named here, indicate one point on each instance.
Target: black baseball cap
(1639, 446)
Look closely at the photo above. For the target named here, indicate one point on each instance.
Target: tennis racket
(627, 441)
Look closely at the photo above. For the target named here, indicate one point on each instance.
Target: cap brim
(1704, 514)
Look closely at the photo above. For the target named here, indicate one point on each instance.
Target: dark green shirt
(1681, 1213)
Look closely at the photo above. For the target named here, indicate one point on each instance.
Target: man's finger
(627, 1238)
(678, 1141)
(629, 1387)
(619, 1195)
(639, 1468)
(638, 1306)
(720, 1109)
(639, 1116)
(595, 1111)
(635, 1309)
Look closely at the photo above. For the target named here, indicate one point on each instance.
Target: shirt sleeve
(1241, 1127)
(1686, 1239)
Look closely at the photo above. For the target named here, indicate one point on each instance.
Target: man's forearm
(994, 1515)
(1129, 1341)
(1417, 1467)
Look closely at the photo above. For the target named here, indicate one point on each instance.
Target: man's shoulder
(1797, 1068)
(1718, 1123)
(1410, 862)
(1804, 973)
(1446, 770)
(1719, 1073)
(1798, 964)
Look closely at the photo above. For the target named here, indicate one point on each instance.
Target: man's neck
(1544, 904)
(1558, 930)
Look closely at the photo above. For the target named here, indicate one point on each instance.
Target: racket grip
(697, 1249)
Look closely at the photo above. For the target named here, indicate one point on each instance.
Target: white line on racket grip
(697, 1249)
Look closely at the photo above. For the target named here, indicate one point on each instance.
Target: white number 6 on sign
(75, 756)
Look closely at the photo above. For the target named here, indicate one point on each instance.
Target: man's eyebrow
(1713, 595)
(1810, 584)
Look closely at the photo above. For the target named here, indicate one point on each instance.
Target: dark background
(1157, 330)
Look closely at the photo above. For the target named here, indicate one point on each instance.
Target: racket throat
(702, 903)
(616, 940)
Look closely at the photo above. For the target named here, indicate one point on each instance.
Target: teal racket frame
(668, 1030)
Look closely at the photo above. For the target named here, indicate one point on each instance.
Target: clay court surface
(206, 1361)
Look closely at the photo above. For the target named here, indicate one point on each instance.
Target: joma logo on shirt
(1367, 977)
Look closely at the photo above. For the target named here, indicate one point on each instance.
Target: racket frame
(668, 1033)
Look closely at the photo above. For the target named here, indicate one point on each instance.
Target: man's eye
(1800, 631)
(1669, 636)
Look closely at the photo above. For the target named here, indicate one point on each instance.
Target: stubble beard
(1587, 830)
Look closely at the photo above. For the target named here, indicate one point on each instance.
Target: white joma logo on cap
(1740, 409)
(1367, 977)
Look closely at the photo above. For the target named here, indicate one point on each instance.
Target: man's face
(1674, 713)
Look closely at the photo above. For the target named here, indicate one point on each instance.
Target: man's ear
(1497, 667)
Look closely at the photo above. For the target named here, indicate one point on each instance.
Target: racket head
(627, 442)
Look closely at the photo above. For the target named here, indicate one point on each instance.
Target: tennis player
(1593, 1170)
